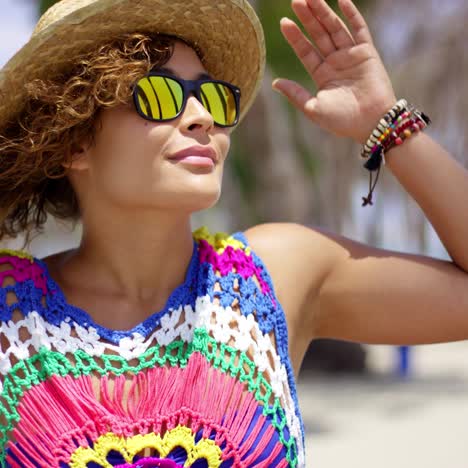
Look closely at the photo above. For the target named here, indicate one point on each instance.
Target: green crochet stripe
(45, 364)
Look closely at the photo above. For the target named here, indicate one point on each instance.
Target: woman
(149, 345)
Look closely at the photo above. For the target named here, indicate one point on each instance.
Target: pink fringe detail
(23, 269)
(63, 413)
(232, 259)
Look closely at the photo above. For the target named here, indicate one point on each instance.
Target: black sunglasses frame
(189, 87)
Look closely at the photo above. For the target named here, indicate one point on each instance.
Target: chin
(192, 201)
(203, 202)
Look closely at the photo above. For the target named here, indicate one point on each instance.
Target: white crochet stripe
(222, 323)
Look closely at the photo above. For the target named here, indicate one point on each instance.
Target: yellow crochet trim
(17, 253)
(180, 436)
(219, 241)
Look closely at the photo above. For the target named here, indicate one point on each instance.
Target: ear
(79, 160)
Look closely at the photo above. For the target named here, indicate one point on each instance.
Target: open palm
(354, 89)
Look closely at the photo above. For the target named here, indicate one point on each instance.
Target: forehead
(185, 62)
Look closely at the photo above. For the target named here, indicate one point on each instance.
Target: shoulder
(298, 258)
(292, 247)
(287, 250)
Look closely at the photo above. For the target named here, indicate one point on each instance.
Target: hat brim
(227, 32)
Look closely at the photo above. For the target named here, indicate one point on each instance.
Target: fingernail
(275, 83)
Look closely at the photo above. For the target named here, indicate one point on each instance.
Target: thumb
(298, 96)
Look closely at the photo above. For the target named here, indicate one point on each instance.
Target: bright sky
(16, 23)
(19, 16)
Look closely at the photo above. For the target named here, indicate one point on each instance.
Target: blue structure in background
(403, 361)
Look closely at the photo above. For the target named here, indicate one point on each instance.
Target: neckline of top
(62, 310)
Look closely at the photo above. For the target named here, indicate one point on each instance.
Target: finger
(305, 51)
(358, 24)
(314, 28)
(332, 23)
(298, 96)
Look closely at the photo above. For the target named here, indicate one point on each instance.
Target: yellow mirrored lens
(159, 97)
(220, 101)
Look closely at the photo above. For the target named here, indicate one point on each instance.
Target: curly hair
(60, 114)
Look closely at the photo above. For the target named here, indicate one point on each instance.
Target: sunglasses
(161, 98)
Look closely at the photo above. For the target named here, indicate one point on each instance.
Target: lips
(194, 154)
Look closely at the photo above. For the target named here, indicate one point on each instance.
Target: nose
(196, 117)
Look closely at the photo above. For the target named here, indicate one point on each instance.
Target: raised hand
(354, 89)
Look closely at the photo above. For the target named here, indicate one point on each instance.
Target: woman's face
(132, 163)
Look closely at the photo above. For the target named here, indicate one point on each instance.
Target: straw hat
(227, 32)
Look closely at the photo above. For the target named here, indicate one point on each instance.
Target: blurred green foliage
(45, 5)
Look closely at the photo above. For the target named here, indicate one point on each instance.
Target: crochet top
(205, 382)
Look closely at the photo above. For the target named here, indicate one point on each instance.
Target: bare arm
(439, 184)
(354, 291)
(333, 287)
(354, 92)
(375, 296)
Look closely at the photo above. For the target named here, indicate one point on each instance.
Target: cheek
(224, 144)
(129, 152)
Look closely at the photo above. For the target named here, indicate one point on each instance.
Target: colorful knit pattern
(205, 382)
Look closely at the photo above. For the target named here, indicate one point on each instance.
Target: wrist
(375, 113)
(399, 124)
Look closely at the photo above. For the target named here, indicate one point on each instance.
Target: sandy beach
(381, 420)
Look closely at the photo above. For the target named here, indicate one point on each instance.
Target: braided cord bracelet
(398, 125)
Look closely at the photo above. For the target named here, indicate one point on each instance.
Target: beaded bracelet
(399, 124)
(383, 127)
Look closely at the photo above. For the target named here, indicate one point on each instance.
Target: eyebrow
(170, 71)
